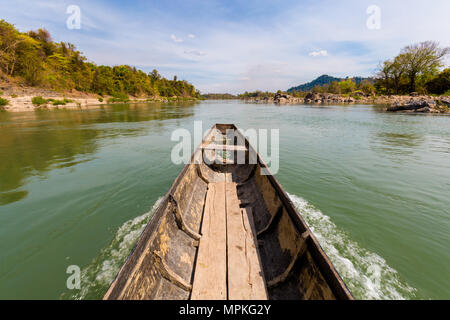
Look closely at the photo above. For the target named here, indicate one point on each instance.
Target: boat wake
(366, 274)
(98, 275)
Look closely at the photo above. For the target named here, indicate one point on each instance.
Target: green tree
(334, 87)
(347, 86)
(425, 57)
(440, 84)
(367, 87)
(9, 41)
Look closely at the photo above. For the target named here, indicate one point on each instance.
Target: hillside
(33, 59)
(320, 81)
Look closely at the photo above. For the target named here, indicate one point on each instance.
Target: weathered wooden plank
(211, 268)
(224, 147)
(245, 276)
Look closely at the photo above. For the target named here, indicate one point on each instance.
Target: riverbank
(20, 99)
(394, 103)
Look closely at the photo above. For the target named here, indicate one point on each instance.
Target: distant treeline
(219, 96)
(34, 59)
(256, 94)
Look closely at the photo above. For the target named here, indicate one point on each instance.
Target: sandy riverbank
(20, 99)
(23, 104)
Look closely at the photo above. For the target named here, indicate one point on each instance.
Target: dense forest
(34, 59)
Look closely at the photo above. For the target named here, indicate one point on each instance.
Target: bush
(100, 99)
(440, 84)
(58, 102)
(1, 92)
(119, 97)
(39, 101)
(14, 96)
(3, 102)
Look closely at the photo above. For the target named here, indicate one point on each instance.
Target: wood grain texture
(210, 280)
(245, 276)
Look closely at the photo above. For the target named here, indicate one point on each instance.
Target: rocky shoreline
(412, 103)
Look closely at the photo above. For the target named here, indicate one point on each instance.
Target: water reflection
(35, 142)
(397, 144)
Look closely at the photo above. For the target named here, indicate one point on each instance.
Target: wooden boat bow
(225, 231)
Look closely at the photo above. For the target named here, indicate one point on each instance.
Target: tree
(440, 84)
(29, 60)
(154, 75)
(384, 74)
(347, 86)
(334, 87)
(9, 41)
(425, 57)
(367, 87)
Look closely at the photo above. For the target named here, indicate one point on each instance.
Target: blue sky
(233, 46)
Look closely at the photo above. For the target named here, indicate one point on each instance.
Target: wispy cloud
(321, 53)
(192, 36)
(175, 39)
(195, 52)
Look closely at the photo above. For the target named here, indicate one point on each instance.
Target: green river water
(77, 187)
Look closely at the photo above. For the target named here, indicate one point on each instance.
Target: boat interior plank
(210, 280)
(245, 276)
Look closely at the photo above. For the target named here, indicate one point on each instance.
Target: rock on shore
(413, 103)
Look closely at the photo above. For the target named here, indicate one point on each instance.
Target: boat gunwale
(320, 257)
(152, 224)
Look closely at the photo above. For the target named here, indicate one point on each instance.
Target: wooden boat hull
(225, 231)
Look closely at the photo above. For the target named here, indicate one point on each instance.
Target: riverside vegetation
(33, 65)
(410, 82)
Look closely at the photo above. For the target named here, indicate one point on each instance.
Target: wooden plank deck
(245, 276)
(225, 147)
(210, 279)
(228, 264)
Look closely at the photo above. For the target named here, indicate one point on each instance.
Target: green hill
(320, 81)
(34, 59)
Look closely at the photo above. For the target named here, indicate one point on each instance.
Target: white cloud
(192, 36)
(321, 53)
(195, 52)
(175, 39)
